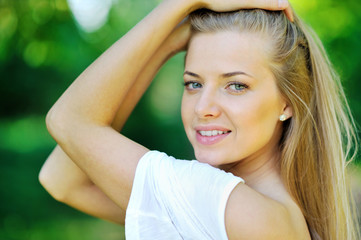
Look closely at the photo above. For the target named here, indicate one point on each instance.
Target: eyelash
(186, 85)
(244, 86)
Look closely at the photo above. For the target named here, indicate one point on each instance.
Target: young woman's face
(231, 104)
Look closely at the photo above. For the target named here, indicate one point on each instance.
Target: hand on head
(233, 5)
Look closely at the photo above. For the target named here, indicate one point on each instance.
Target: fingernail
(282, 3)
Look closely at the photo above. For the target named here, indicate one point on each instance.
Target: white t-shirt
(177, 199)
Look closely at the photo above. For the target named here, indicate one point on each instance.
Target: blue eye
(237, 87)
(192, 85)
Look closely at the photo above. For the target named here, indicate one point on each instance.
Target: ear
(287, 110)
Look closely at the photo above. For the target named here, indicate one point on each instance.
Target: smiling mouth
(212, 133)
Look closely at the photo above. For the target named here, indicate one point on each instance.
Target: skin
(230, 87)
(86, 120)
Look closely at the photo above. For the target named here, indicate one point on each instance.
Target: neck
(255, 169)
(260, 168)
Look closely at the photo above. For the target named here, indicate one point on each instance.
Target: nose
(207, 105)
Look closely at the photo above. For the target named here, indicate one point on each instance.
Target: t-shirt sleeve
(178, 199)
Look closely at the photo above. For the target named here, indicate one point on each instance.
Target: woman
(261, 106)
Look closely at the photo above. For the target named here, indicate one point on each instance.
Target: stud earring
(283, 118)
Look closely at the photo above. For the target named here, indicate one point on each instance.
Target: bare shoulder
(252, 215)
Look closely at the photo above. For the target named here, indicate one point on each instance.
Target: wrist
(188, 5)
(196, 4)
(178, 40)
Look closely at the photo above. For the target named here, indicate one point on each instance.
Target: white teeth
(211, 133)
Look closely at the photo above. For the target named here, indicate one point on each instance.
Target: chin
(212, 159)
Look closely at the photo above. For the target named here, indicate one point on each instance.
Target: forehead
(227, 51)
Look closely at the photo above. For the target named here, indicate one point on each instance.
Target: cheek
(266, 112)
(186, 111)
(256, 117)
(265, 121)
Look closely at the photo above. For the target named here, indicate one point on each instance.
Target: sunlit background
(45, 45)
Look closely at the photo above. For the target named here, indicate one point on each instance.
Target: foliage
(43, 48)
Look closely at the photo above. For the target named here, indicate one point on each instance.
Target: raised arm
(66, 182)
(81, 121)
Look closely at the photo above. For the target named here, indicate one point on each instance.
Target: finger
(278, 5)
(283, 4)
(289, 13)
(267, 4)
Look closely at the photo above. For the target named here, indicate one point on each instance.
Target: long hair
(318, 141)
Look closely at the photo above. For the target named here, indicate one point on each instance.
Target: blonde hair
(317, 141)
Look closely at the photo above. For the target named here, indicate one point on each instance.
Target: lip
(210, 140)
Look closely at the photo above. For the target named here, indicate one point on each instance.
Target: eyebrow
(231, 74)
(224, 75)
(191, 74)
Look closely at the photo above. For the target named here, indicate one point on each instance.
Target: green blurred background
(46, 44)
